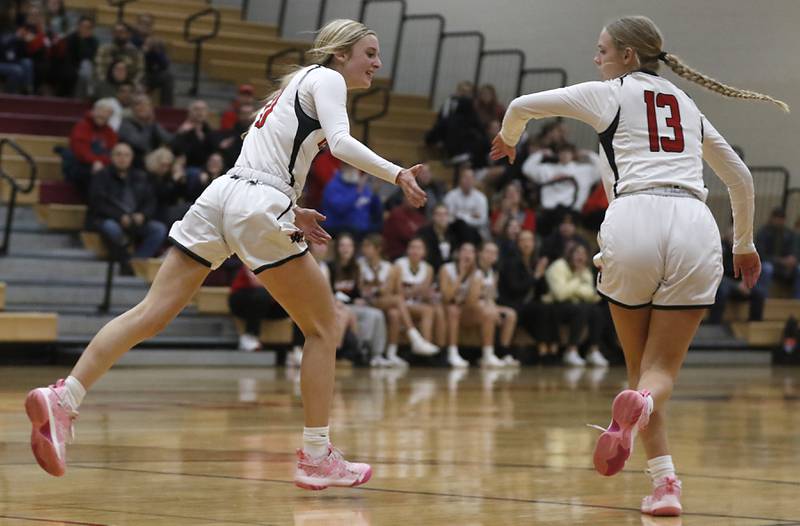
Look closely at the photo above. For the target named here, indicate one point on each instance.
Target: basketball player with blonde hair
(252, 212)
(660, 259)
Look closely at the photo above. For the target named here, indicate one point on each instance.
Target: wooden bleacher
(56, 216)
(26, 327)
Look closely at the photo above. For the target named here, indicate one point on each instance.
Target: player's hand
(407, 181)
(500, 149)
(748, 267)
(307, 220)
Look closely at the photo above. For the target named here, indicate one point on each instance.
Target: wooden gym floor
(215, 446)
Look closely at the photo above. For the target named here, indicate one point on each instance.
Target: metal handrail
(369, 118)
(437, 57)
(403, 10)
(15, 188)
(498, 52)
(120, 5)
(198, 40)
(455, 34)
(280, 54)
(535, 71)
(786, 178)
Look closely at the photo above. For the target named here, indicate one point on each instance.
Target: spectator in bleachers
(122, 206)
(323, 168)
(555, 245)
(507, 239)
(461, 289)
(58, 21)
(15, 67)
(775, 245)
(350, 205)
(245, 97)
(117, 75)
(250, 301)
(379, 288)
(440, 237)
(90, 144)
(488, 107)
(35, 45)
(371, 323)
(557, 197)
(122, 101)
(158, 72)
(432, 188)
(458, 129)
(230, 139)
(195, 138)
(501, 316)
(400, 227)
(731, 288)
(512, 207)
(575, 303)
(120, 48)
(467, 203)
(76, 70)
(141, 130)
(522, 285)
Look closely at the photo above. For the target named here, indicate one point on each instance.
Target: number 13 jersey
(651, 135)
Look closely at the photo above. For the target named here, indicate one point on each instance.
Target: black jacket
(112, 196)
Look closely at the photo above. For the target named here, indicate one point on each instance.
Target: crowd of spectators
(501, 250)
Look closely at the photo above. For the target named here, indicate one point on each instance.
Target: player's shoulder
(324, 74)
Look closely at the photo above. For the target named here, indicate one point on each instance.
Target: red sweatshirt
(90, 143)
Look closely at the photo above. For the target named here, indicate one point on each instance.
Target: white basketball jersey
(286, 135)
(410, 279)
(374, 277)
(462, 288)
(655, 139)
(488, 284)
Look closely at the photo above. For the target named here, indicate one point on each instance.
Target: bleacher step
(76, 325)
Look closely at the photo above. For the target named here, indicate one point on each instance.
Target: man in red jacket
(90, 142)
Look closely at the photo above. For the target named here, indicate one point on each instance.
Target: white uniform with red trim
(248, 211)
(659, 243)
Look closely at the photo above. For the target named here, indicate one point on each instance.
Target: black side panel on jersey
(305, 126)
(607, 141)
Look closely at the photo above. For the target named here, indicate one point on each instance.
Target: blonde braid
(692, 75)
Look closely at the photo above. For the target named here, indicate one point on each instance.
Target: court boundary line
(780, 522)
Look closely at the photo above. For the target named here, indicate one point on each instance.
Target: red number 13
(658, 143)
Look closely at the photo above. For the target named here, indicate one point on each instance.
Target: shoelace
(70, 412)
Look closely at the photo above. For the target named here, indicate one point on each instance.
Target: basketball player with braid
(660, 259)
(252, 212)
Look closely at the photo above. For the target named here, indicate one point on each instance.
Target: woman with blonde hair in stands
(252, 212)
(504, 317)
(377, 284)
(660, 261)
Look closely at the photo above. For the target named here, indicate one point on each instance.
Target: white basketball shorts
(242, 216)
(662, 251)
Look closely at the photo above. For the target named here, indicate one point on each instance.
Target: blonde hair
(337, 36)
(642, 35)
(154, 159)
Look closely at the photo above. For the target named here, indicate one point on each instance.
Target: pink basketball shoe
(329, 470)
(628, 415)
(665, 500)
(52, 419)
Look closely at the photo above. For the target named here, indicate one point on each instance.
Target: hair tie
(662, 56)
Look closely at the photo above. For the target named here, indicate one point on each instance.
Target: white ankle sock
(452, 351)
(75, 392)
(660, 467)
(650, 405)
(391, 350)
(488, 351)
(316, 440)
(413, 334)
